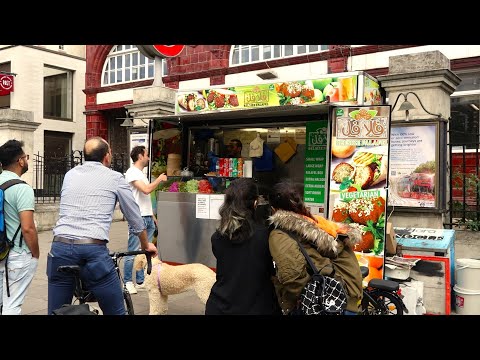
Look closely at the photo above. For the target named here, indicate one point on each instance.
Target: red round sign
(169, 50)
(6, 82)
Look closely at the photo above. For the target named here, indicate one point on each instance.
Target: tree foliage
(427, 167)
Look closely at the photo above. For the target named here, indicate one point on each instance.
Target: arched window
(125, 64)
(247, 54)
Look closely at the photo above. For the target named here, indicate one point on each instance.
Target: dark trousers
(97, 272)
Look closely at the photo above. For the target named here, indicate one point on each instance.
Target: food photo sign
(413, 165)
(358, 171)
(344, 88)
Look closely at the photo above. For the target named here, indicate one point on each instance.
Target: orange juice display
(347, 87)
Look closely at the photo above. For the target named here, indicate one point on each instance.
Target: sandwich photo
(372, 168)
(362, 169)
(191, 102)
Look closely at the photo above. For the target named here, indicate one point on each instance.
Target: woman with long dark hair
(291, 221)
(244, 264)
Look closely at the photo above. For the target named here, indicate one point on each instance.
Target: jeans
(97, 272)
(134, 244)
(21, 269)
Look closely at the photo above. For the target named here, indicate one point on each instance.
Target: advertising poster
(358, 177)
(137, 139)
(412, 171)
(315, 166)
(336, 89)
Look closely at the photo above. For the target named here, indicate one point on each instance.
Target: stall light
(260, 130)
(475, 107)
(128, 122)
(407, 105)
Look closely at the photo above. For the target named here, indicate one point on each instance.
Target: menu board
(342, 88)
(358, 177)
(315, 166)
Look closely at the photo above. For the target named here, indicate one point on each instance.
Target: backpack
(5, 243)
(322, 295)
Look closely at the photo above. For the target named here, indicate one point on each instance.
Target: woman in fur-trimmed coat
(319, 238)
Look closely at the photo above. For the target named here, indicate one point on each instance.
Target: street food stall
(329, 135)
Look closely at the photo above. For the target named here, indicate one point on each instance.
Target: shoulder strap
(302, 249)
(4, 187)
(304, 252)
(11, 182)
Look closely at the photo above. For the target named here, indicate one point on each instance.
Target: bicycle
(381, 297)
(83, 295)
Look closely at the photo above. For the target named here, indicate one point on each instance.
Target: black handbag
(322, 295)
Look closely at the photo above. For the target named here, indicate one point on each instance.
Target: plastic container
(467, 274)
(467, 302)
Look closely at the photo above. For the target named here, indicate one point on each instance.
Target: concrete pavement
(36, 298)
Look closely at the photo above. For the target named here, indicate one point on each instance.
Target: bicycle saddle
(70, 269)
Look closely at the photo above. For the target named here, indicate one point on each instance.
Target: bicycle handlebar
(147, 254)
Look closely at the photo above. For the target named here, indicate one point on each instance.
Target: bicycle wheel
(128, 302)
(386, 304)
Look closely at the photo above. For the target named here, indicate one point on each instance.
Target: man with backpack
(20, 251)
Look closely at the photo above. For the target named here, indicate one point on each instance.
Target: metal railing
(49, 172)
(464, 204)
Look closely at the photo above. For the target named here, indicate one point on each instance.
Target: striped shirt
(88, 197)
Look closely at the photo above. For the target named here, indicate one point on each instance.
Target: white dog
(168, 279)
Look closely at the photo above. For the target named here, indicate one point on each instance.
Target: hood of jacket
(310, 231)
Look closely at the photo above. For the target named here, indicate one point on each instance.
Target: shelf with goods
(196, 184)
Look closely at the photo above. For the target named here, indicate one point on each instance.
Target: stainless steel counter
(182, 238)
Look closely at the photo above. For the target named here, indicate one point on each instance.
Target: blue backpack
(5, 243)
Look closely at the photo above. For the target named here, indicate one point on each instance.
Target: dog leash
(159, 265)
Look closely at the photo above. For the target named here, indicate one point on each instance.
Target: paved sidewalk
(181, 304)
(36, 299)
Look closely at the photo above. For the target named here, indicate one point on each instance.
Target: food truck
(329, 135)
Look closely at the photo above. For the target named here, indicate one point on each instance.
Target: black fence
(48, 173)
(464, 209)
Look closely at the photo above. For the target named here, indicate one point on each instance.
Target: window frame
(70, 99)
(261, 49)
(127, 54)
(464, 94)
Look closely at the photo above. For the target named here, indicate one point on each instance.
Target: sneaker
(130, 287)
(140, 286)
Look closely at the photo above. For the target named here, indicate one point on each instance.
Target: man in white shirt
(141, 189)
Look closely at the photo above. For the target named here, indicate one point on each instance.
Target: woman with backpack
(292, 222)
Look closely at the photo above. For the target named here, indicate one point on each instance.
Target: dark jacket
(244, 276)
(291, 266)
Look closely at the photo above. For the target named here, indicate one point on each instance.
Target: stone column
(19, 125)
(429, 76)
(150, 102)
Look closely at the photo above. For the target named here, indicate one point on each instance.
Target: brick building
(113, 71)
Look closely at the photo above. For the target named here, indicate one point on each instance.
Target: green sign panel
(315, 163)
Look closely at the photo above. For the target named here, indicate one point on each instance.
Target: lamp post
(407, 105)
